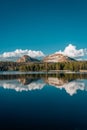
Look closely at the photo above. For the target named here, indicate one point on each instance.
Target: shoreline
(42, 72)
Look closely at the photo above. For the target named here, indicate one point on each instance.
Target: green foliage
(72, 66)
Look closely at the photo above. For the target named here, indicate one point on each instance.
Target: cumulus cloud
(73, 52)
(20, 52)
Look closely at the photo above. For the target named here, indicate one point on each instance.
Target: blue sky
(45, 25)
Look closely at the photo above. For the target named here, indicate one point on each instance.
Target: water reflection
(21, 85)
(70, 87)
(70, 82)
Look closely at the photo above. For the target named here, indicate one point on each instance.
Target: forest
(42, 66)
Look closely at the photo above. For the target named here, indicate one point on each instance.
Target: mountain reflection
(70, 87)
(70, 82)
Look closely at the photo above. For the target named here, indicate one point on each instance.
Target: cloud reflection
(19, 87)
(27, 84)
(70, 87)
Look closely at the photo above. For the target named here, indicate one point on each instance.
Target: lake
(43, 101)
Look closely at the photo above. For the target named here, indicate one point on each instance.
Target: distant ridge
(27, 58)
(57, 58)
(50, 58)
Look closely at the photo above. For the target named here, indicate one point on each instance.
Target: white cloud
(20, 52)
(70, 50)
(73, 52)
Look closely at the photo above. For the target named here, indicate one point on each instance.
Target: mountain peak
(57, 57)
(27, 58)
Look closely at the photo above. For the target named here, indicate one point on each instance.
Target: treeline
(72, 66)
(5, 66)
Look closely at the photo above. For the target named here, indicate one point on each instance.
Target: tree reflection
(70, 82)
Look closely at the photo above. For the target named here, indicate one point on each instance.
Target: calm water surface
(43, 101)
